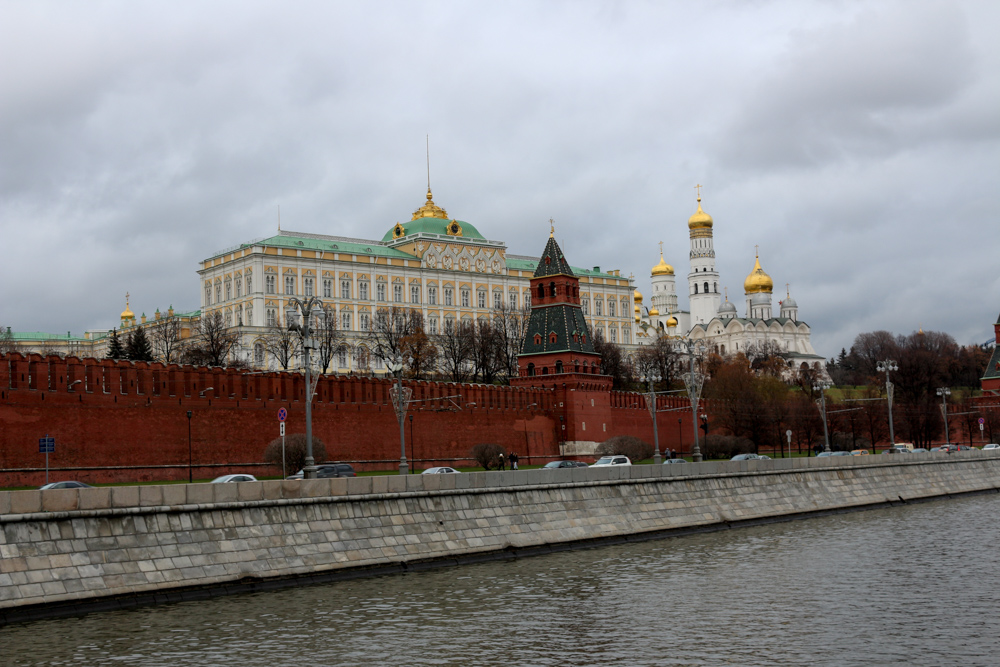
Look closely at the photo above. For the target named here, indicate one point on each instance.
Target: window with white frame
(345, 288)
(397, 293)
(527, 299)
(345, 321)
(239, 315)
(365, 320)
(269, 284)
(239, 286)
(449, 324)
(229, 318)
(481, 298)
(613, 330)
(328, 288)
(513, 300)
(497, 299)
(249, 315)
(289, 284)
(229, 289)
(208, 294)
(342, 356)
(611, 307)
(598, 306)
(414, 293)
(465, 298)
(272, 317)
(249, 284)
(308, 284)
(449, 298)
(432, 325)
(585, 305)
(218, 292)
(363, 289)
(432, 295)
(258, 354)
(380, 291)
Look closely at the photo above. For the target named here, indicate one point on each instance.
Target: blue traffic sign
(282, 415)
(46, 445)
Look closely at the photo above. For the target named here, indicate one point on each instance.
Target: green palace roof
(434, 226)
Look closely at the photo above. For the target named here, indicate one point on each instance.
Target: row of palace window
(599, 306)
(228, 285)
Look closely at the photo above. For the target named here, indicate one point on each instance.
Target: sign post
(982, 436)
(788, 434)
(282, 416)
(46, 446)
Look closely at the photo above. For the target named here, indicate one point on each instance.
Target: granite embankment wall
(67, 551)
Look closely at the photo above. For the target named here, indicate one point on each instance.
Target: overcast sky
(857, 143)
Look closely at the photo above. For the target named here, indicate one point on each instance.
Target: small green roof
(41, 335)
(356, 247)
(434, 226)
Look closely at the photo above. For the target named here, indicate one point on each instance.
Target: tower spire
(428, 164)
(552, 228)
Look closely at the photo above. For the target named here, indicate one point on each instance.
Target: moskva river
(912, 585)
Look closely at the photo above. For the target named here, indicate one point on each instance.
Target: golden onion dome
(700, 219)
(663, 269)
(671, 321)
(758, 281)
(127, 314)
(637, 297)
(638, 308)
(653, 312)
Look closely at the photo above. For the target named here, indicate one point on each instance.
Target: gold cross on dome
(661, 248)
(698, 188)
(552, 227)
(756, 251)
(127, 295)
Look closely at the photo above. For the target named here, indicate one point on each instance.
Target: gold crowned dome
(653, 312)
(671, 321)
(638, 297)
(663, 269)
(127, 314)
(700, 219)
(758, 281)
(430, 210)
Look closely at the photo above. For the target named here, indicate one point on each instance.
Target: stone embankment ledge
(75, 550)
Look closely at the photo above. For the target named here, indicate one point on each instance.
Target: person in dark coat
(502, 466)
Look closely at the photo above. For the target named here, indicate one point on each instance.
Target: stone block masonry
(70, 551)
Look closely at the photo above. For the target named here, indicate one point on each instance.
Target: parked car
(234, 478)
(745, 457)
(763, 457)
(859, 452)
(69, 484)
(565, 464)
(438, 470)
(990, 446)
(615, 460)
(674, 461)
(918, 450)
(840, 453)
(824, 454)
(327, 470)
(937, 449)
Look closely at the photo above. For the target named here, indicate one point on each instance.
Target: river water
(910, 585)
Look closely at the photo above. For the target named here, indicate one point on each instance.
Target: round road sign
(982, 421)
(282, 415)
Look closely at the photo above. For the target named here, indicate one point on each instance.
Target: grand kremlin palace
(440, 265)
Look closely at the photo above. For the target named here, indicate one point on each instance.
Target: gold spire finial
(661, 248)
(428, 166)
(279, 218)
(726, 290)
(127, 295)
(788, 291)
(756, 251)
(552, 228)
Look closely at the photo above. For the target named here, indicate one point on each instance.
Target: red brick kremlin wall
(127, 421)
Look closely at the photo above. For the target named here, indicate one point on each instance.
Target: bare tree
(613, 362)
(329, 338)
(214, 343)
(486, 353)
(7, 343)
(510, 326)
(455, 346)
(166, 338)
(419, 350)
(661, 358)
(765, 358)
(282, 345)
(388, 329)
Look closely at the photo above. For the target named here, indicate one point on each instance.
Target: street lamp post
(821, 387)
(653, 376)
(944, 393)
(884, 367)
(190, 472)
(694, 382)
(400, 396)
(307, 308)
(413, 445)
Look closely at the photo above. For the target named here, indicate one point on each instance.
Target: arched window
(706, 287)
(531, 369)
(538, 339)
(552, 289)
(258, 354)
(541, 291)
(545, 370)
(696, 288)
(553, 337)
(715, 287)
(559, 366)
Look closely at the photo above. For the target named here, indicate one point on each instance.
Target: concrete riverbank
(69, 551)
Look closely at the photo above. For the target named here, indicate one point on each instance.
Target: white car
(992, 445)
(234, 478)
(438, 470)
(615, 460)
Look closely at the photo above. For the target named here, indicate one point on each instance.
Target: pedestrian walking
(502, 466)
(513, 460)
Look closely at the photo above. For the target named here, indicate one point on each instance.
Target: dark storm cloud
(849, 140)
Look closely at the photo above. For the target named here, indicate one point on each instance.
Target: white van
(908, 446)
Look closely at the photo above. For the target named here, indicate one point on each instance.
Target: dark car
(328, 470)
(66, 485)
(565, 464)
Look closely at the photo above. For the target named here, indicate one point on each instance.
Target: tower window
(696, 288)
(706, 288)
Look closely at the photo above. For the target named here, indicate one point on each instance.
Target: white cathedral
(715, 322)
